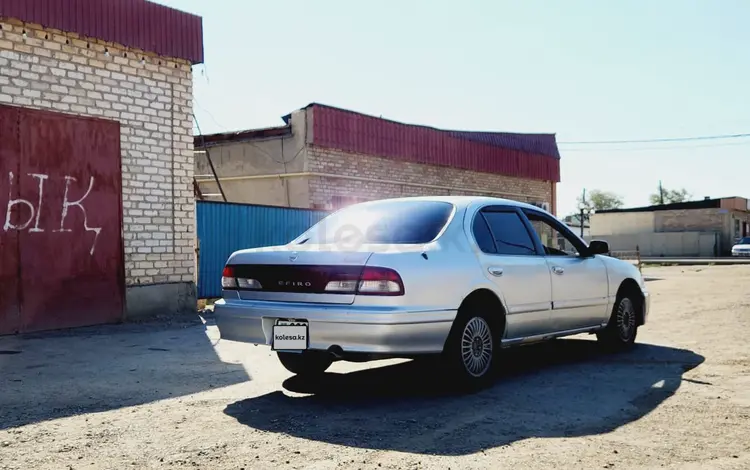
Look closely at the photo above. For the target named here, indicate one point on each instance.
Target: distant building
(574, 223)
(695, 228)
(326, 157)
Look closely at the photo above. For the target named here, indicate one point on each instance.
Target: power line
(208, 156)
(677, 139)
(639, 149)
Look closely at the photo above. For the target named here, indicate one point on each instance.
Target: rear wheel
(306, 363)
(622, 328)
(471, 352)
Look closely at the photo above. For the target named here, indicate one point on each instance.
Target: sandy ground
(173, 396)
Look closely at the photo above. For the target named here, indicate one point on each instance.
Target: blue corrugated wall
(224, 228)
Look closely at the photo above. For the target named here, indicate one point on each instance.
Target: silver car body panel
(543, 296)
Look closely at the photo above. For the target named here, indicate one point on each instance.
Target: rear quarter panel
(450, 272)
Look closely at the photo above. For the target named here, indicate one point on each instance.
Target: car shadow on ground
(64, 373)
(559, 389)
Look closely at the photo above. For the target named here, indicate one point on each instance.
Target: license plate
(290, 335)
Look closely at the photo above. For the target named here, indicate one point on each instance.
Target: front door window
(555, 242)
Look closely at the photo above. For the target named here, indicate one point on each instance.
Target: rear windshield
(744, 241)
(391, 222)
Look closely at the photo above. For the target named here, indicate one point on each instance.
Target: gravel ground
(170, 395)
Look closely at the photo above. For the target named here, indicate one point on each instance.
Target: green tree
(599, 200)
(669, 196)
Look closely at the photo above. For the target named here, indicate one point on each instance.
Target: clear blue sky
(586, 70)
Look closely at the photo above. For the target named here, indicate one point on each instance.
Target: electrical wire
(198, 105)
(676, 139)
(253, 144)
(639, 149)
(282, 162)
(208, 156)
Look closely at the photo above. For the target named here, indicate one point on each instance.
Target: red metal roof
(360, 133)
(138, 24)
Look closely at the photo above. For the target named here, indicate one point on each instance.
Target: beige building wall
(258, 171)
(714, 220)
(675, 244)
(622, 223)
(58, 71)
(727, 223)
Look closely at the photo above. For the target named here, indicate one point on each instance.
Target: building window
(736, 228)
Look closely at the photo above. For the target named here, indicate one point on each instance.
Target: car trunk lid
(296, 273)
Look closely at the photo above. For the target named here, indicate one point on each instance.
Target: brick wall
(151, 97)
(689, 220)
(400, 179)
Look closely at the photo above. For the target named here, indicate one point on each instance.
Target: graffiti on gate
(35, 208)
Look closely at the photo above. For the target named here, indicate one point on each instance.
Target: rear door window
(482, 234)
(509, 233)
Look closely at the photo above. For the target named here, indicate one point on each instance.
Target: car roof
(460, 201)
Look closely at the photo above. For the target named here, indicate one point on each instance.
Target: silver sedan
(458, 278)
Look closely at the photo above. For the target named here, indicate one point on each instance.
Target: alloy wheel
(477, 347)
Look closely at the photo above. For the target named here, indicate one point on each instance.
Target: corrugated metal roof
(532, 156)
(542, 144)
(133, 23)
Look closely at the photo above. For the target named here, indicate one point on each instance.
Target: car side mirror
(598, 247)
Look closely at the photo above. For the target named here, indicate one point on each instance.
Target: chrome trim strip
(597, 302)
(539, 338)
(531, 308)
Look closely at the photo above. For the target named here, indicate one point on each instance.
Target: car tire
(306, 363)
(622, 328)
(471, 352)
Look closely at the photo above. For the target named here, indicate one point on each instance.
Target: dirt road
(170, 397)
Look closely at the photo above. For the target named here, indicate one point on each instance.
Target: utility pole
(583, 208)
(661, 193)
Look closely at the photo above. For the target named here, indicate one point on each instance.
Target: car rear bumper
(374, 330)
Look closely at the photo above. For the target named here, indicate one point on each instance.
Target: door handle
(557, 270)
(495, 271)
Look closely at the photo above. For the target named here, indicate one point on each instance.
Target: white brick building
(148, 91)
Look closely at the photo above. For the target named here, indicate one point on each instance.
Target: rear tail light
(229, 281)
(371, 281)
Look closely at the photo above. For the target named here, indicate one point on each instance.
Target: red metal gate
(61, 254)
(10, 148)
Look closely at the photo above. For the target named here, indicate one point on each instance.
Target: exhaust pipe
(337, 352)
